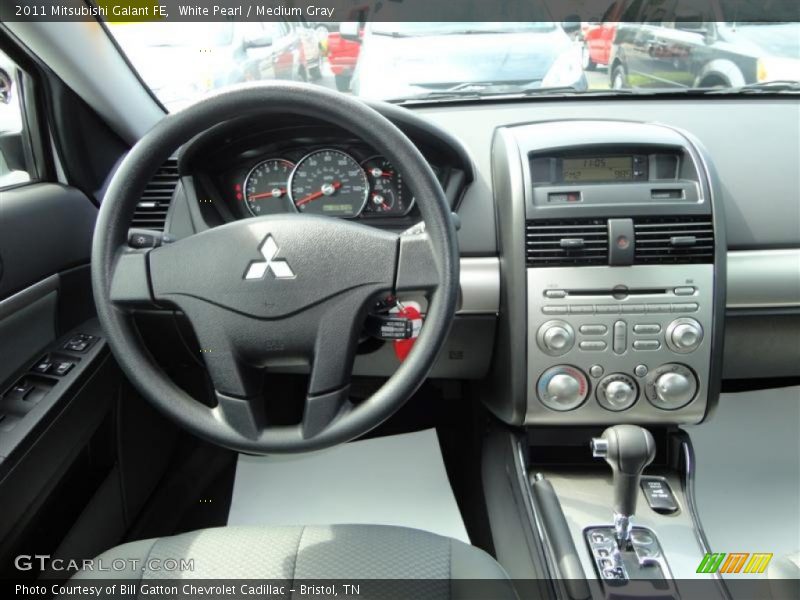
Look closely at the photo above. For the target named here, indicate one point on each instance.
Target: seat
(352, 552)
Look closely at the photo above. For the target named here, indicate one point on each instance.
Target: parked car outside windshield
(403, 60)
(706, 44)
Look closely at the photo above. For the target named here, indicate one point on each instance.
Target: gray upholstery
(351, 552)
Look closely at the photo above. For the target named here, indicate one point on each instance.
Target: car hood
(398, 67)
(767, 39)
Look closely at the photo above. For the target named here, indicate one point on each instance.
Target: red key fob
(403, 347)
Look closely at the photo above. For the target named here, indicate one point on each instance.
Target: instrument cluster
(339, 182)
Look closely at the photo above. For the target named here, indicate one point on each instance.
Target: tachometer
(329, 182)
(388, 196)
(266, 186)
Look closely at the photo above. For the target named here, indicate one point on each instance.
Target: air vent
(151, 212)
(671, 240)
(561, 242)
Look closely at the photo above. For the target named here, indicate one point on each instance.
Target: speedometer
(329, 182)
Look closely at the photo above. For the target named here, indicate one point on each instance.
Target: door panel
(27, 324)
(45, 228)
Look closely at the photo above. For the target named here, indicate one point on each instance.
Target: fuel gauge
(388, 196)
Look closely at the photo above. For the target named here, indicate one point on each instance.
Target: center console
(612, 264)
(613, 270)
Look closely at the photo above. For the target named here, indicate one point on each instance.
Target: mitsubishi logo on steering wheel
(279, 267)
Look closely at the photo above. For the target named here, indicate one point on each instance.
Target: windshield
(671, 46)
(174, 35)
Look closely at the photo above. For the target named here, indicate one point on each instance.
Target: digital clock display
(597, 168)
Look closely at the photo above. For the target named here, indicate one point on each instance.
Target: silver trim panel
(480, 286)
(764, 279)
(756, 279)
(587, 498)
(479, 281)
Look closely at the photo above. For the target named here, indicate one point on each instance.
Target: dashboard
(601, 259)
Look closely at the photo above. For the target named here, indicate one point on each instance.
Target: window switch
(79, 342)
(43, 366)
(7, 422)
(20, 390)
(62, 367)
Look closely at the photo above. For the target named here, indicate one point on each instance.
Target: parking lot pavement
(327, 76)
(597, 79)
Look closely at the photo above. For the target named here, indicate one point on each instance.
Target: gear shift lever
(628, 449)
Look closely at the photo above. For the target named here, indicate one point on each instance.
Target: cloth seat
(441, 566)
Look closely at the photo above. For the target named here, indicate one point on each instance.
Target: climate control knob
(556, 338)
(617, 392)
(671, 386)
(684, 335)
(674, 388)
(562, 388)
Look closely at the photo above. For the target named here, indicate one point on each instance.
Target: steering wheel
(275, 289)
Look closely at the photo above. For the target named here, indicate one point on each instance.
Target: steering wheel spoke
(323, 409)
(332, 360)
(245, 416)
(230, 373)
(335, 344)
(417, 266)
(130, 279)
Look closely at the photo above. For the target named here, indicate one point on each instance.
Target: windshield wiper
(437, 95)
(465, 89)
(477, 90)
(480, 90)
(474, 32)
(568, 89)
(778, 85)
(394, 34)
(765, 87)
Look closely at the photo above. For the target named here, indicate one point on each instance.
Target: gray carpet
(392, 480)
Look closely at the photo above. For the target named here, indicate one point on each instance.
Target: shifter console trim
(642, 564)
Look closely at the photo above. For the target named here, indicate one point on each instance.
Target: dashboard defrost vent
(673, 240)
(151, 212)
(563, 242)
